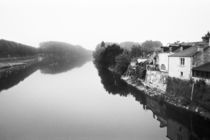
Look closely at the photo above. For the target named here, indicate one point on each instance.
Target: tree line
(118, 58)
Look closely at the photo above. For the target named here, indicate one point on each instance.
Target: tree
(97, 54)
(122, 62)
(152, 46)
(14, 49)
(136, 51)
(108, 55)
(206, 37)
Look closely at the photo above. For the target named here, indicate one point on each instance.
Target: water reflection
(14, 75)
(55, 66)
(181, 125)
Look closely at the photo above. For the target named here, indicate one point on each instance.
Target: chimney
(181, 48)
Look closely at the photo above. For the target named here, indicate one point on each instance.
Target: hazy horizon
(87, 23)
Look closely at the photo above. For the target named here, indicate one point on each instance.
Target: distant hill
(14, 49)
(62, 49)
(62, 56)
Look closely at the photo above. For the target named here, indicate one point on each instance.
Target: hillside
(62, 56)
(13, 49)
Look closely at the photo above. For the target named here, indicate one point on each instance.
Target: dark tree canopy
(105, 56)
(136, 51)
(122, 62)
(206, 37)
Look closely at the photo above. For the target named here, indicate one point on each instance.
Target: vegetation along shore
(178, 74)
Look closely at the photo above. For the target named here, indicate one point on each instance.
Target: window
(181, 74)
(163, 67)
(182, 61)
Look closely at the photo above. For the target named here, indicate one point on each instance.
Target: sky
(88, 22)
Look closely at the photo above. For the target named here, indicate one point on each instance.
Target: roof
(188, 43)
(205, 67)
(186, 53)
(175, 47)
(190, 52)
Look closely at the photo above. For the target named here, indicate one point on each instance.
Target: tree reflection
(113, 84)
(52, 66)
(186, 125)
(12, 76)
(180, 124)
(61, 57)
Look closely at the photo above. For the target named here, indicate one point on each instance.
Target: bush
(179, 88)
(122, 63)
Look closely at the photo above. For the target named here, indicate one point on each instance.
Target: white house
(163, 61)
(180, 64)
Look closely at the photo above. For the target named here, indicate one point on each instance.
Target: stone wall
(202, 58)
(156, 79)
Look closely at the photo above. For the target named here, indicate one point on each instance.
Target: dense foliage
(179, 88)
(183, 90)
(151, 46)
(206, 37)
(118, 57)
(13, 49)
(105, 55)
(56, 57)
(122, 62)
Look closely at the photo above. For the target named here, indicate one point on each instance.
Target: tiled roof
(188, 43)
(204, 67)
(186, 53)
(185, 45)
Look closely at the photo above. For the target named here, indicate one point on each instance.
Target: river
(86, 103)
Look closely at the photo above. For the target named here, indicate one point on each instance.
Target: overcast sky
(88, 22)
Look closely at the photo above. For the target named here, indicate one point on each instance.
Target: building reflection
(180, 124)
(177, 131)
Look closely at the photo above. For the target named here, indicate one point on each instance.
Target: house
(182, 62)
(163, 61)
(202, 73)
(162, 57)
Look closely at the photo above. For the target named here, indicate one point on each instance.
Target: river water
(86, 103)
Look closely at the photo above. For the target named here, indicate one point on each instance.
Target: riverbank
(12, 63)
(172, 100)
